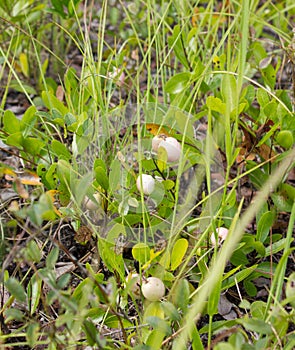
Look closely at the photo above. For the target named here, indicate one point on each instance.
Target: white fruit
(172, 147)
(156, 141)
(133, 280)
(222, 233)
(93, 205)
(153, 289)
(145, 183)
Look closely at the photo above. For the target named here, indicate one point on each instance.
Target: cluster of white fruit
(146, 183)
(152, 288)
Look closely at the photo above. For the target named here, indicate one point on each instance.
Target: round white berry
(156, 141)
(153, 289)
(93, 205)
(172, 147)
(222, 233)
(145, 183)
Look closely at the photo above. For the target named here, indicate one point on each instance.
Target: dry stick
(227, 249)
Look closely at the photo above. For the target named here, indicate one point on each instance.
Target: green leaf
(16, 289)
(115, 175)
(275, 247)
(33, 252)
(196, 339)
(11, 123)
(33, 145)
(178, 83)
(58, 7)
(178, 252)
(269, 76)
(71, 121)
(170, 311)
(141, 252)
(288, 191)
(184, 125)
(32, 334)
(21, 87)
(176, 43)
(155, 339)
(238, 277)
(60, 150)
(162, 158)
(159, 324)
(224, 346)
(255, 325)
(215, 104)
(24, 64)
(229, 91)
(262, 97)
(281, 202)
(52, 258)
(99, 163)
(250, 288)
(181, 294)
(239, 258)
(51, 102)
(113, 261)
(259, 247)
(80, 187)
(214, 298)
(217, 325)
(219, 62)
(65, 172)
(92, 334)
(15, 140)
(264, 224)
(101, 177)
(13, 315)
(257, 177)
(44, 209)
(111, 321)
(63, 280)
(153, 310)
(249, 93)
(51, 176)
(258, 309)
(165, 259)
(28, 119)
(168, 184)
(70, 79)
(86, 285)
(34, 293)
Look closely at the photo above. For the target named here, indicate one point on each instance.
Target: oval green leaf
(178, 83)
(141, 252)
(178, 252)
(16, 289)
(264, 224)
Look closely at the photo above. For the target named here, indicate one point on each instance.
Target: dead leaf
(83, 235)
(20, 189)
(266, 152)
(29, 178)
(60, 93)
(156, 129)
